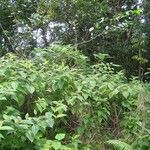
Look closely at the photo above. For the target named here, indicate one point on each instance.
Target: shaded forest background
(119, 28)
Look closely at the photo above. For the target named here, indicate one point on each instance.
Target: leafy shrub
(56, 100)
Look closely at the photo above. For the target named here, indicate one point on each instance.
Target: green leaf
(137, 11)
(113, 93)
(125, 94)
(80, 98)
(56, 145)
(48, 115)
(1, 122)
(120, 145)
(61, 115)
(39, 107)
(110, 86)
(14, 85)
(30, 136)
(1, 136)
(14, 97)
(6, 128)
(60, 136)
(50, 122)
(3, 98)
(30, 88)
(35, 129)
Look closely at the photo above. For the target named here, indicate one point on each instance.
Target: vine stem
(7, 36)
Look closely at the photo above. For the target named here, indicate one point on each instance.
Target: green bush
(56, 100)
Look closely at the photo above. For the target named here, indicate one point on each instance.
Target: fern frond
(119, 145)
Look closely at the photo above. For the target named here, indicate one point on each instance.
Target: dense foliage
(119, 28)
(56, 100)
(74, 74)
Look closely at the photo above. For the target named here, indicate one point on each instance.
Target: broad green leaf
(50, 122)
(30, 88)
(14, 85)
(6, 128)
(30, 135)
(1, 136)
(113, 93)
(125, 94)
(60, 136)
(61, 115)
(56, 145)
(35, 129)
(1, 122)
(3, 98)
(14, 97)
